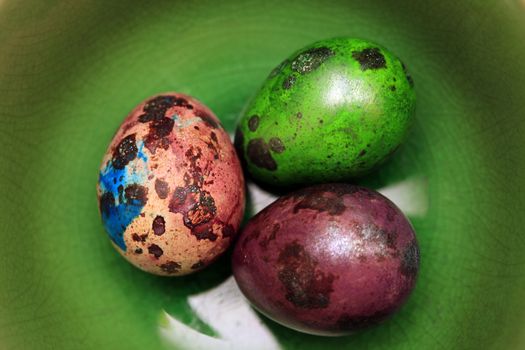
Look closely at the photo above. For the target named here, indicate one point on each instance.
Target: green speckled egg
(331, 111)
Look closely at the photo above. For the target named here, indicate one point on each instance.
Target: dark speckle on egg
(306, 286)
(253, 122)
(198, 265)
(162, 188)
(370, 58)
(125, 152)
(136, 193)
(139, 238)
(206, 118)
(159, 129)
(311, 59)
(276, 145)
(408, 76)
(158, 225)
(228, 231)
(410, 260)
(155, 250)
(107, 201)
(259, 154)
(289, 82)
(170, 267)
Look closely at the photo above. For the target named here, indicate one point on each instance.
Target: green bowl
(71, 70)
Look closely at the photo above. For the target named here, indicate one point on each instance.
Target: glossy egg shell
(327, 260)
(171, 188)
(331, 111)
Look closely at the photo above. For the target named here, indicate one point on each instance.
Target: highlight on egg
(171, 188)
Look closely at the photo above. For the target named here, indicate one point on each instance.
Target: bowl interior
(71, 71)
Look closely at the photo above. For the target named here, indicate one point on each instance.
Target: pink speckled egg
(171, 188)
(328, 259)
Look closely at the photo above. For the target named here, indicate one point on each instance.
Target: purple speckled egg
(327, 260)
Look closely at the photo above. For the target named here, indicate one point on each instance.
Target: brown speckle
(337, 189)
(138, 250)
(203, 212)
(207, 119)
(155, 250)
(259, 154)
(306, 285)
(276, 145)
(214, 146)
(362, 153)
(409, 77)
(136, 194)
(311, 59)
(204, 232)
(253, 122)
(370, 58)
(254, 235)
(125, 152)
(158, 225)
(139, 238)
(159, 129)
(331, 204)
(289, 82)
(196, 205)
(160, 125)
(265, 241)
(170, 267)
(107, 201)
(410, 260)
(198, 265)
(228, 231)
(120, 190)
(162, 188)
(156, 108)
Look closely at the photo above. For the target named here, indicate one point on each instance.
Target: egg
(332, 111)
(171, 188)
(328, 259)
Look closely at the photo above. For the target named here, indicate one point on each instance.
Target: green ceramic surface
(70, 71)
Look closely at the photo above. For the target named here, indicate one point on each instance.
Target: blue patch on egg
(118, 215)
